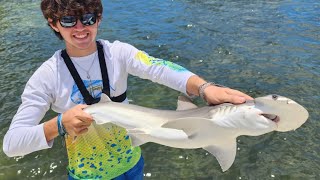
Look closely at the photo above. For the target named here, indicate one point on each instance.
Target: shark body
(213, 128)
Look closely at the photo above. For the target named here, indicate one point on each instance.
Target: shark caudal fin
(141, 136)
(225, 153)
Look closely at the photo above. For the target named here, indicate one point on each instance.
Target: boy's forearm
(193, 84)
(51, 129)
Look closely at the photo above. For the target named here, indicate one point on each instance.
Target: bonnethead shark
(213, 128)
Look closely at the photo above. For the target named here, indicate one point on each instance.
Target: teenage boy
(75, 77)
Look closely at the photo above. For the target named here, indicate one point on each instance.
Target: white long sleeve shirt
(52, 86)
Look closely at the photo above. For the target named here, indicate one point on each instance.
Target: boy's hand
(76, 121)
(217, 95)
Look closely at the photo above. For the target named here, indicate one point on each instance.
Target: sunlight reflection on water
(259, 47)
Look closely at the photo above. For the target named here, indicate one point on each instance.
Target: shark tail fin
(225, 154)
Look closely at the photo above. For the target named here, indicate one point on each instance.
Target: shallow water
(259, 47)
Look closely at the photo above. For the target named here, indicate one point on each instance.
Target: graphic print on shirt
(105, 151)
(94, 87)
(149, 60)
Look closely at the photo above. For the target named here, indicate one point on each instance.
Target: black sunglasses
(70, 21)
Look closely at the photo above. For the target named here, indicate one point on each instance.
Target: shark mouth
(272, 117)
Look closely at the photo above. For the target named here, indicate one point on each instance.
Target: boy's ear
(53, 26)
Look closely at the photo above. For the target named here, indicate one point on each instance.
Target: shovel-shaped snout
(286, 113)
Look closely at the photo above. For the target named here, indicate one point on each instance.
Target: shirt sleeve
(25, 134)
(164, 72)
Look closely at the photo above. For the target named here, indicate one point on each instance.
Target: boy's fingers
(239, 93)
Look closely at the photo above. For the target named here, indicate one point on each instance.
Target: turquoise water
(259, 47)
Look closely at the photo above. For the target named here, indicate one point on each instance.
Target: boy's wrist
(61, 130)
(203, 86)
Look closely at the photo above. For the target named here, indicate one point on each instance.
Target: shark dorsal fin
(185, 103)
(225, 153)
(104, 98)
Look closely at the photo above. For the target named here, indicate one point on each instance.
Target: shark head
(286, 113)
(254, 118)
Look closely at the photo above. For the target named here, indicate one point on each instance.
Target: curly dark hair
(55, 9)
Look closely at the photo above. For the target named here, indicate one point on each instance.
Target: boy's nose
(79, 25)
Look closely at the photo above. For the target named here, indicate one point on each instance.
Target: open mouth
(272, 117)
(80, 36)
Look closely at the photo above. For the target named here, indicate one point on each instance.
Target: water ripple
(259, 47)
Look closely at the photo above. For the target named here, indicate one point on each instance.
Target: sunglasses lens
(88, 19)
(68, 21)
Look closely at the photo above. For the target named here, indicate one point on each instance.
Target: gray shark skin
(213, 128)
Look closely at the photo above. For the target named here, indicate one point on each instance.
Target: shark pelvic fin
(136, 141)
(225, 153)
(140, 136)
(160, 133)
(185, 103)
(137, 131)
(104, 98)
(168, 134)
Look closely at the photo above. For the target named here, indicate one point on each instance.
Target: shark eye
(275, 97)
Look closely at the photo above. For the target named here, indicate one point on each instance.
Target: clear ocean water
(259, 47)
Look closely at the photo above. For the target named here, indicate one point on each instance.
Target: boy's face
(80, 38)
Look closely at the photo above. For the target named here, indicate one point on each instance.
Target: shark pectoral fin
(225, 154)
